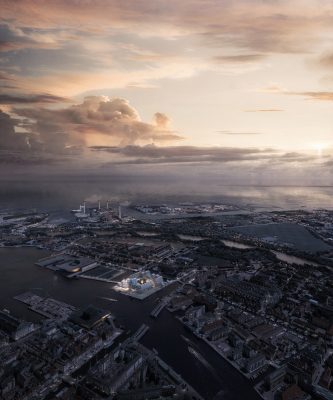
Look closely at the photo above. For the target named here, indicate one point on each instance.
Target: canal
(213, 379)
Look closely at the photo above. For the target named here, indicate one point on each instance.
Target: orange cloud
(57, 129)
(278, 26)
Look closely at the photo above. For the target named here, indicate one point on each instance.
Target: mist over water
(64, 193)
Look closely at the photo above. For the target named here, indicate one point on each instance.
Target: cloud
(162, 120)
(97, 119)
(15, 38)
(273, 88)
(325, 96)
(268, 26)
(151, 154)
(11, 38)
(329, 163)
(236, 156)
(26, 158)
(326, 60)
(311, 95)
(69, 47)
(239, 59)
(238, 133)
(255, 110)
(4, 76)
(31, 99)
(9, 139)
(297, 157)
(20, 147)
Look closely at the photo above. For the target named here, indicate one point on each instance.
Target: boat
(107, 298)
(197, 355)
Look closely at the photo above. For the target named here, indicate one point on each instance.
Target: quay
(140, 332)
(158, 309)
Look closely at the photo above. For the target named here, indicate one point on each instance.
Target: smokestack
(84, 207)
(107, 205)
(99, 205)
(119, 211)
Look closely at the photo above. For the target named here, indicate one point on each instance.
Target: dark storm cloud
(296, 157)
(26, 148)
(9, 139)
(24, 158)
(183, 154)
(151, 154)
(19, 147)
(31, 99)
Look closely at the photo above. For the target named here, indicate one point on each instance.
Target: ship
(197, 355)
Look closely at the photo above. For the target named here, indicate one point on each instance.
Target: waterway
(56, 194)
(289, 259)
(292, 259)
(213, 379)
(236, 245)
(190, 238)
(147, 234)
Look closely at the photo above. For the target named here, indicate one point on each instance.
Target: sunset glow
(80, 78)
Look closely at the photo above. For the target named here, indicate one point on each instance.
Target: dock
(46, 306)
(158, 309)
(140, 332)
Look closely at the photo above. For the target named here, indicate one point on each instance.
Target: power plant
(84, 212)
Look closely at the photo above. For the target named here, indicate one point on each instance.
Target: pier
(158, 309)
(140, 332)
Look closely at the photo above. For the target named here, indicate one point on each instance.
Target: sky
(240, 89)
